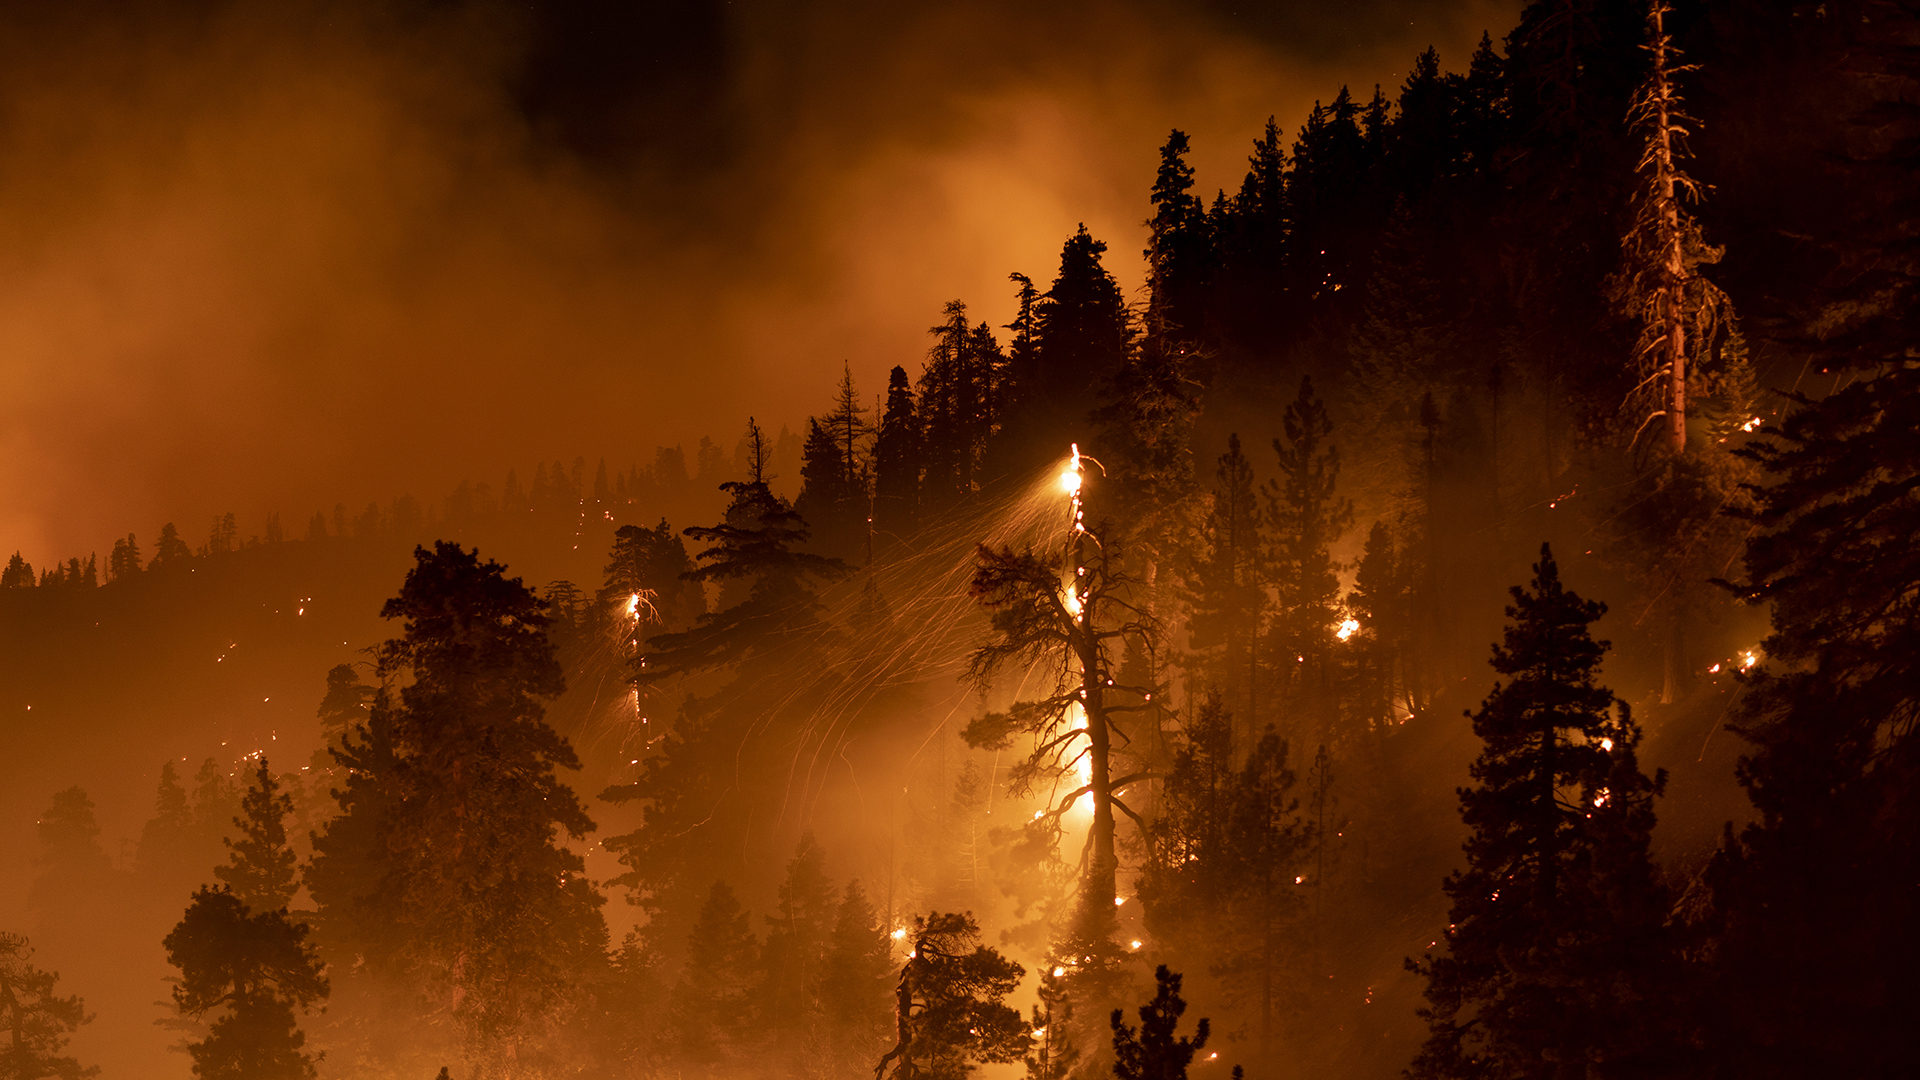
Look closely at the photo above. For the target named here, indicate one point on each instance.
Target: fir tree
(169, 550)
(1082, 334)
(166, 835)
(454, 807)
(1179, 254)
(795, 953)
(18, 574)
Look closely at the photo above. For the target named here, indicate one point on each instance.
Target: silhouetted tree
(710, 1016)
(950, 1013)
(897, 462)
(249, 971)
(1811, 901)
(261, 871)
(36, 1021)
(1305, 517)
(1179, 254)
(169, 550)
(758, 548)
(1224, 595)
(1556, 949)
(1153, 1052)
(854, 988)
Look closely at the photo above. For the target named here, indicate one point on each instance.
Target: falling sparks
(1347, 629)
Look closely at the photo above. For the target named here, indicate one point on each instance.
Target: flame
(1347, 629)
(1607, 745)
(1748, 658)
(1751, 424)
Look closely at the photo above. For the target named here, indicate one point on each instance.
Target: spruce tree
(1179, 254)
(1556, 953)
(1082, 334)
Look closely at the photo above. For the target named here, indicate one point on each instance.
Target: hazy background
(267, 257)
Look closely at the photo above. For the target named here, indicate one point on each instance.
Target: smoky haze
(269, 257)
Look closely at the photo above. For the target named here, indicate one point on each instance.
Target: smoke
(269, 257)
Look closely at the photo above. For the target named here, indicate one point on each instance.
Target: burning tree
(1062, 614)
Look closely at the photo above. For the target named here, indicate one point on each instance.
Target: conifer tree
(453, 810)
(165, 836)
(124, 561)
(1251, 229)
(36, 1021)
(1305, 517)
(261, 871)
(710, 1021)
(249, 971)
(854, 988)
(169, 550)
(1813, 920)
(1153, 1052)
(244, 962)
(794, 956)
(950, 1011)
(18, 574)
(1179, 254)
(1082, 334)
(1556, 949)
(756, 549)
(897, 462)
(1225, 597)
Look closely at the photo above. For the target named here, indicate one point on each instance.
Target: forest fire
(682, 707)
